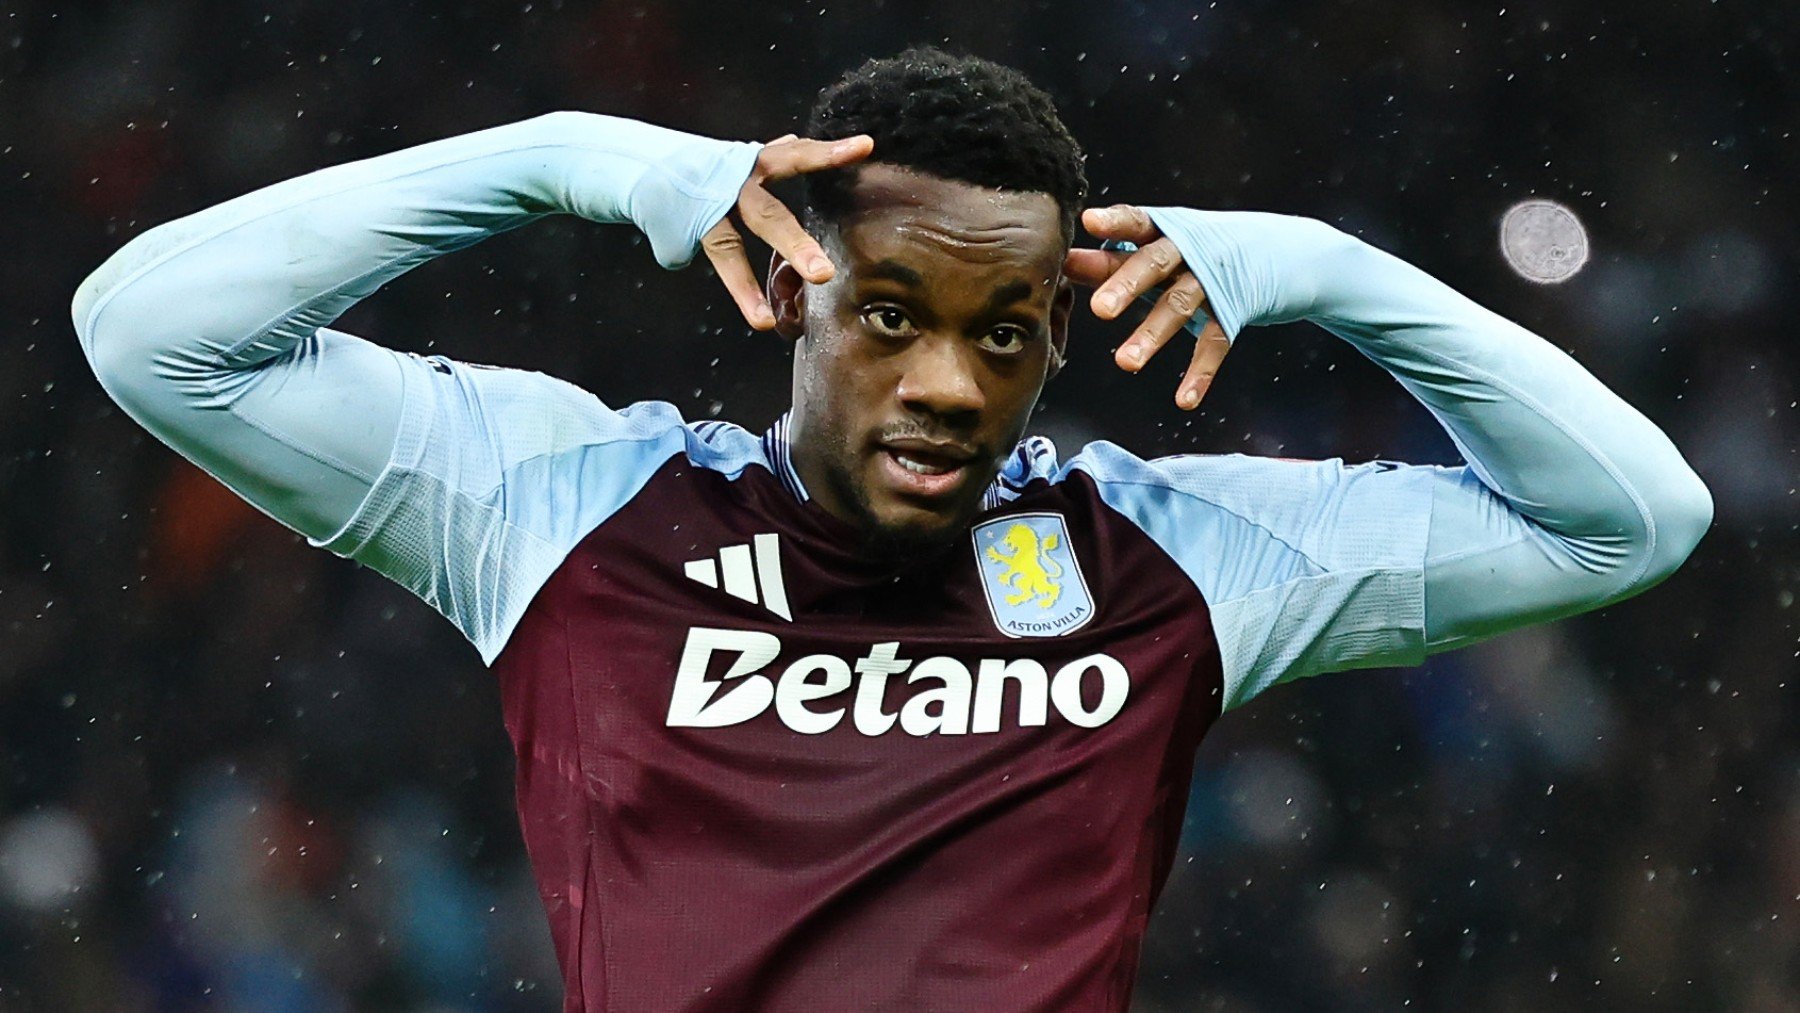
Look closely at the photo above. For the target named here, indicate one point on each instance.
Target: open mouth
(927, 470)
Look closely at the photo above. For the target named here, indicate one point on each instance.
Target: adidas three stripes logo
(751, 572)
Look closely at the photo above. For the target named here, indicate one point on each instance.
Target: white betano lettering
(1065, 690)
(875, 667)
(990, 693)
(796, 688)
(952, 699)
(691, 704)
(957, 704)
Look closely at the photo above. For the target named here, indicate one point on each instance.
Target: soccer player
(889, 706)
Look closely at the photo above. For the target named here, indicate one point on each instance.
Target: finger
(783, 139)
(779, 161)
(1092, 267)
(1174, 309)
(1141, 272)
(765, 215)
(1209, 352)
(1120, 221)
(725, 249)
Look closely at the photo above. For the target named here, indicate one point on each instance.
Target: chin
(915, 539)
(904, 528)
(899, 530)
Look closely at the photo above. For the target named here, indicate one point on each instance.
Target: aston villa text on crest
(1073, 619)
(813, 694)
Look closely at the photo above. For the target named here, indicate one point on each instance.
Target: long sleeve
(1571, 499)
(211, 332)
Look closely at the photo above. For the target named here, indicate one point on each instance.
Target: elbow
(1683, 517)
(110, 354)
(87, 299)
(1632, 549)
(1680, 514)
(100, 345)
(126, 359)
(133, 321)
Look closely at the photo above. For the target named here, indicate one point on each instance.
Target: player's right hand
(771, 220)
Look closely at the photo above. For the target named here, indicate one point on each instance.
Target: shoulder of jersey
(726, 446)
(712, 444)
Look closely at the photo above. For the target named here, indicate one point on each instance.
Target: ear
(786, 292)
(1060, 307)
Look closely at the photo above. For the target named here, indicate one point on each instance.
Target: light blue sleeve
(1570, 500)
(1306, 566)
(466, 484)
(496, 474)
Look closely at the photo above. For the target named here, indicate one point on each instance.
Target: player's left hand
(1119, 278)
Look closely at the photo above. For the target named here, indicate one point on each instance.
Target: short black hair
(957, 117)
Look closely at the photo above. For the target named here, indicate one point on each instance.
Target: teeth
(918, 468)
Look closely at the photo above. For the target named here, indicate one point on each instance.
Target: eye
(887, 321)
(1006, 340)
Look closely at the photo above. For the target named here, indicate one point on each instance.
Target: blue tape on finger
(1193, 324)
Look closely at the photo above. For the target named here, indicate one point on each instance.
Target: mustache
(915, 430)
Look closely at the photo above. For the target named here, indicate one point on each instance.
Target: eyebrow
(893, 270)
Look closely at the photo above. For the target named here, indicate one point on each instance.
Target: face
(919, 362)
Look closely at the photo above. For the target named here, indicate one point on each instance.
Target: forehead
(939, 225)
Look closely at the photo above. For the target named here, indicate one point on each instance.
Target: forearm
(241, 282)
(208, 330)
(1572, 498)
(1541, 432)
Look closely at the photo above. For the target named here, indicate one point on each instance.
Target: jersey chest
(718, 704)
(724, 613)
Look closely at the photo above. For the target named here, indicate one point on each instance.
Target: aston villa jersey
(758, 770)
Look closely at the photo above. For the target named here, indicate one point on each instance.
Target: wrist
(671, 184)
(1257, 267)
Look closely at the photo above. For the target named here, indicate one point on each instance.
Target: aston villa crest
(1030, 575)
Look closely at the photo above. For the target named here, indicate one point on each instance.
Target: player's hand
(765, 215)
(1119, 278)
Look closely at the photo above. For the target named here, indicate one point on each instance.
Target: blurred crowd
(238, 773)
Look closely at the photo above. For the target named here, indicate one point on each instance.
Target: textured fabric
(884, 802)
(473, 517)
(466, 484)
(1309, 566)
(1570, 499)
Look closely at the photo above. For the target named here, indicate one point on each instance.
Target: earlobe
(786, 292)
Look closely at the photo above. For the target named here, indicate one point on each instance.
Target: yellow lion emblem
(1030, 571)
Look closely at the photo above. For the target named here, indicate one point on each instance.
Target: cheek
(1014, 388)
(841, 383)
(843, 360)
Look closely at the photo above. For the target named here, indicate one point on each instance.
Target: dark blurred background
(239, 773)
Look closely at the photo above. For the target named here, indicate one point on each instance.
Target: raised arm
(1571, 498)
(207, 330)
(210, 331)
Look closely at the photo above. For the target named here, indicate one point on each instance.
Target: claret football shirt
(757, 770)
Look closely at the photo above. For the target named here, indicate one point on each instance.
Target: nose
(939, 379)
